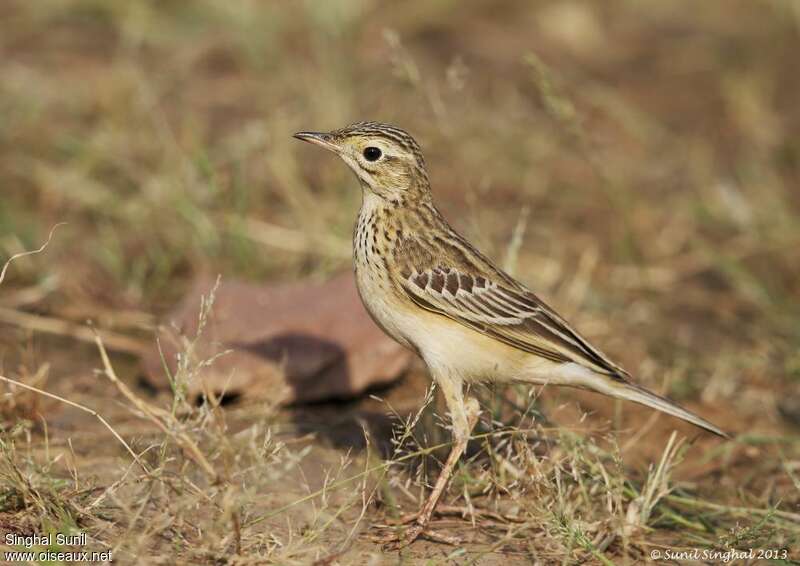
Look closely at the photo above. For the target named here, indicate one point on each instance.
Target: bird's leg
(460, 439)
(464, 414)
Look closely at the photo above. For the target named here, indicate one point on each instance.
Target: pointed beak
(321, 139)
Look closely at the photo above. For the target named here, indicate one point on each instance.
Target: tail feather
(617, 385)
(638, 394)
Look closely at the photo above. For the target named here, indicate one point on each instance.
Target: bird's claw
(401, 539)
(456, 511)
(405, 519)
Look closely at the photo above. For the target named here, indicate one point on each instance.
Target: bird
(432, 291)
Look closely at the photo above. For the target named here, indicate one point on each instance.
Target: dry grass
(637, 162)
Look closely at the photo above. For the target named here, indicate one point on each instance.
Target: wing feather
(505, 311)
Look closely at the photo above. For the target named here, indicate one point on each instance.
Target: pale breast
(372, 277)
(387, 312)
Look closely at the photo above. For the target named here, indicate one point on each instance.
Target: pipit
(433, 292)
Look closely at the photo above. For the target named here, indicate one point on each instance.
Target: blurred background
(635, 162)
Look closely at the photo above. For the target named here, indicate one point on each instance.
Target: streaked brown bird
(433, 292)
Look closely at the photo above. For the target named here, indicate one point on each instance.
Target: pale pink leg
(464, 414)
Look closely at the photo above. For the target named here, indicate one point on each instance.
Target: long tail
(638, 394)
(618, 386)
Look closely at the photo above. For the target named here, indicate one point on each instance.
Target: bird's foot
(404, 519)
(454, 511)
(400, 539)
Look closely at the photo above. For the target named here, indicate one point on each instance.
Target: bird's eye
(372, 153)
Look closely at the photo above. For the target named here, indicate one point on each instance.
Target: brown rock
(294, 342)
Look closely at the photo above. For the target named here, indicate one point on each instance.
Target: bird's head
(386, 159)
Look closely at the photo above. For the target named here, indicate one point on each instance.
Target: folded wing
(507, 312)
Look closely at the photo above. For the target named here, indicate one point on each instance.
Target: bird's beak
(321, 139)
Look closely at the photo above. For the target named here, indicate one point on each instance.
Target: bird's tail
(624, 389)
(617, 385)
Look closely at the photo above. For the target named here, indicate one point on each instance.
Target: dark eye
(372, 153)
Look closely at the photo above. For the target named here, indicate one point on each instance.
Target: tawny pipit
(429, 289)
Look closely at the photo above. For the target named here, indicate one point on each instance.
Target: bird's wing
(495, 305)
